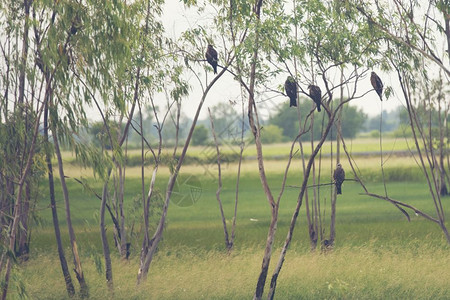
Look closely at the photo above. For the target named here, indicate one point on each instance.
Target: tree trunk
(106, 252)
(442, 181)
(62, 258)
(267, 255)
(314, 233)
(236, 199)
(338, 160)
(124, 249)
(84, 291)
(254, 126)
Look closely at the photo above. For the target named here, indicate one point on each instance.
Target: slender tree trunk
(308, 212)
(442, 181)
(62, 258)
(236, 199)
(106, 252)
(84, 291)
(313, 234)
(338, 160)
(254, 126)
(124, 248)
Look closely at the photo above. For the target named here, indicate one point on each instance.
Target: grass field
(378, 253)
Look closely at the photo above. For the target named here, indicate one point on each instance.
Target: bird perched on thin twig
(339, 177)
(316, 94)
(290, 86)
(377, 84)
(211, 57)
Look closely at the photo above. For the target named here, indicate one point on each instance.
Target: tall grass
(365, 272)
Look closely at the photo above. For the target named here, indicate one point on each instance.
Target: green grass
(378, 253)
(230, 152)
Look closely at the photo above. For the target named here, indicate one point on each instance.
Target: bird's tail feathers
(293, 102)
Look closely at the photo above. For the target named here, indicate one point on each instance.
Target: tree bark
(254, 126)
(338, 160)
(62, 258)
(106, 252)
(84, 291)
(236, 199)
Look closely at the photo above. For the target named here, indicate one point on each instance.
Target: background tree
(200, 135)
(352, 121)
(271, 134)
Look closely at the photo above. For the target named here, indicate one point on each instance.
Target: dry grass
(417, 272)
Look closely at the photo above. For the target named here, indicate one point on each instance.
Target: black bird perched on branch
(211, 57)
(377, 84)
(291, 90)
(339, 177)
(316, 94)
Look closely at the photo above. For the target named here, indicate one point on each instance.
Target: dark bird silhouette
(339, 177)
(291, 90)
(316, 94)
(211, 57)
(377, 84)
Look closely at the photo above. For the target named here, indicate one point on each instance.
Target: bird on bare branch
(291, 90)
(377, 84)
(339, 177)
(211, 57)
(316, 94)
